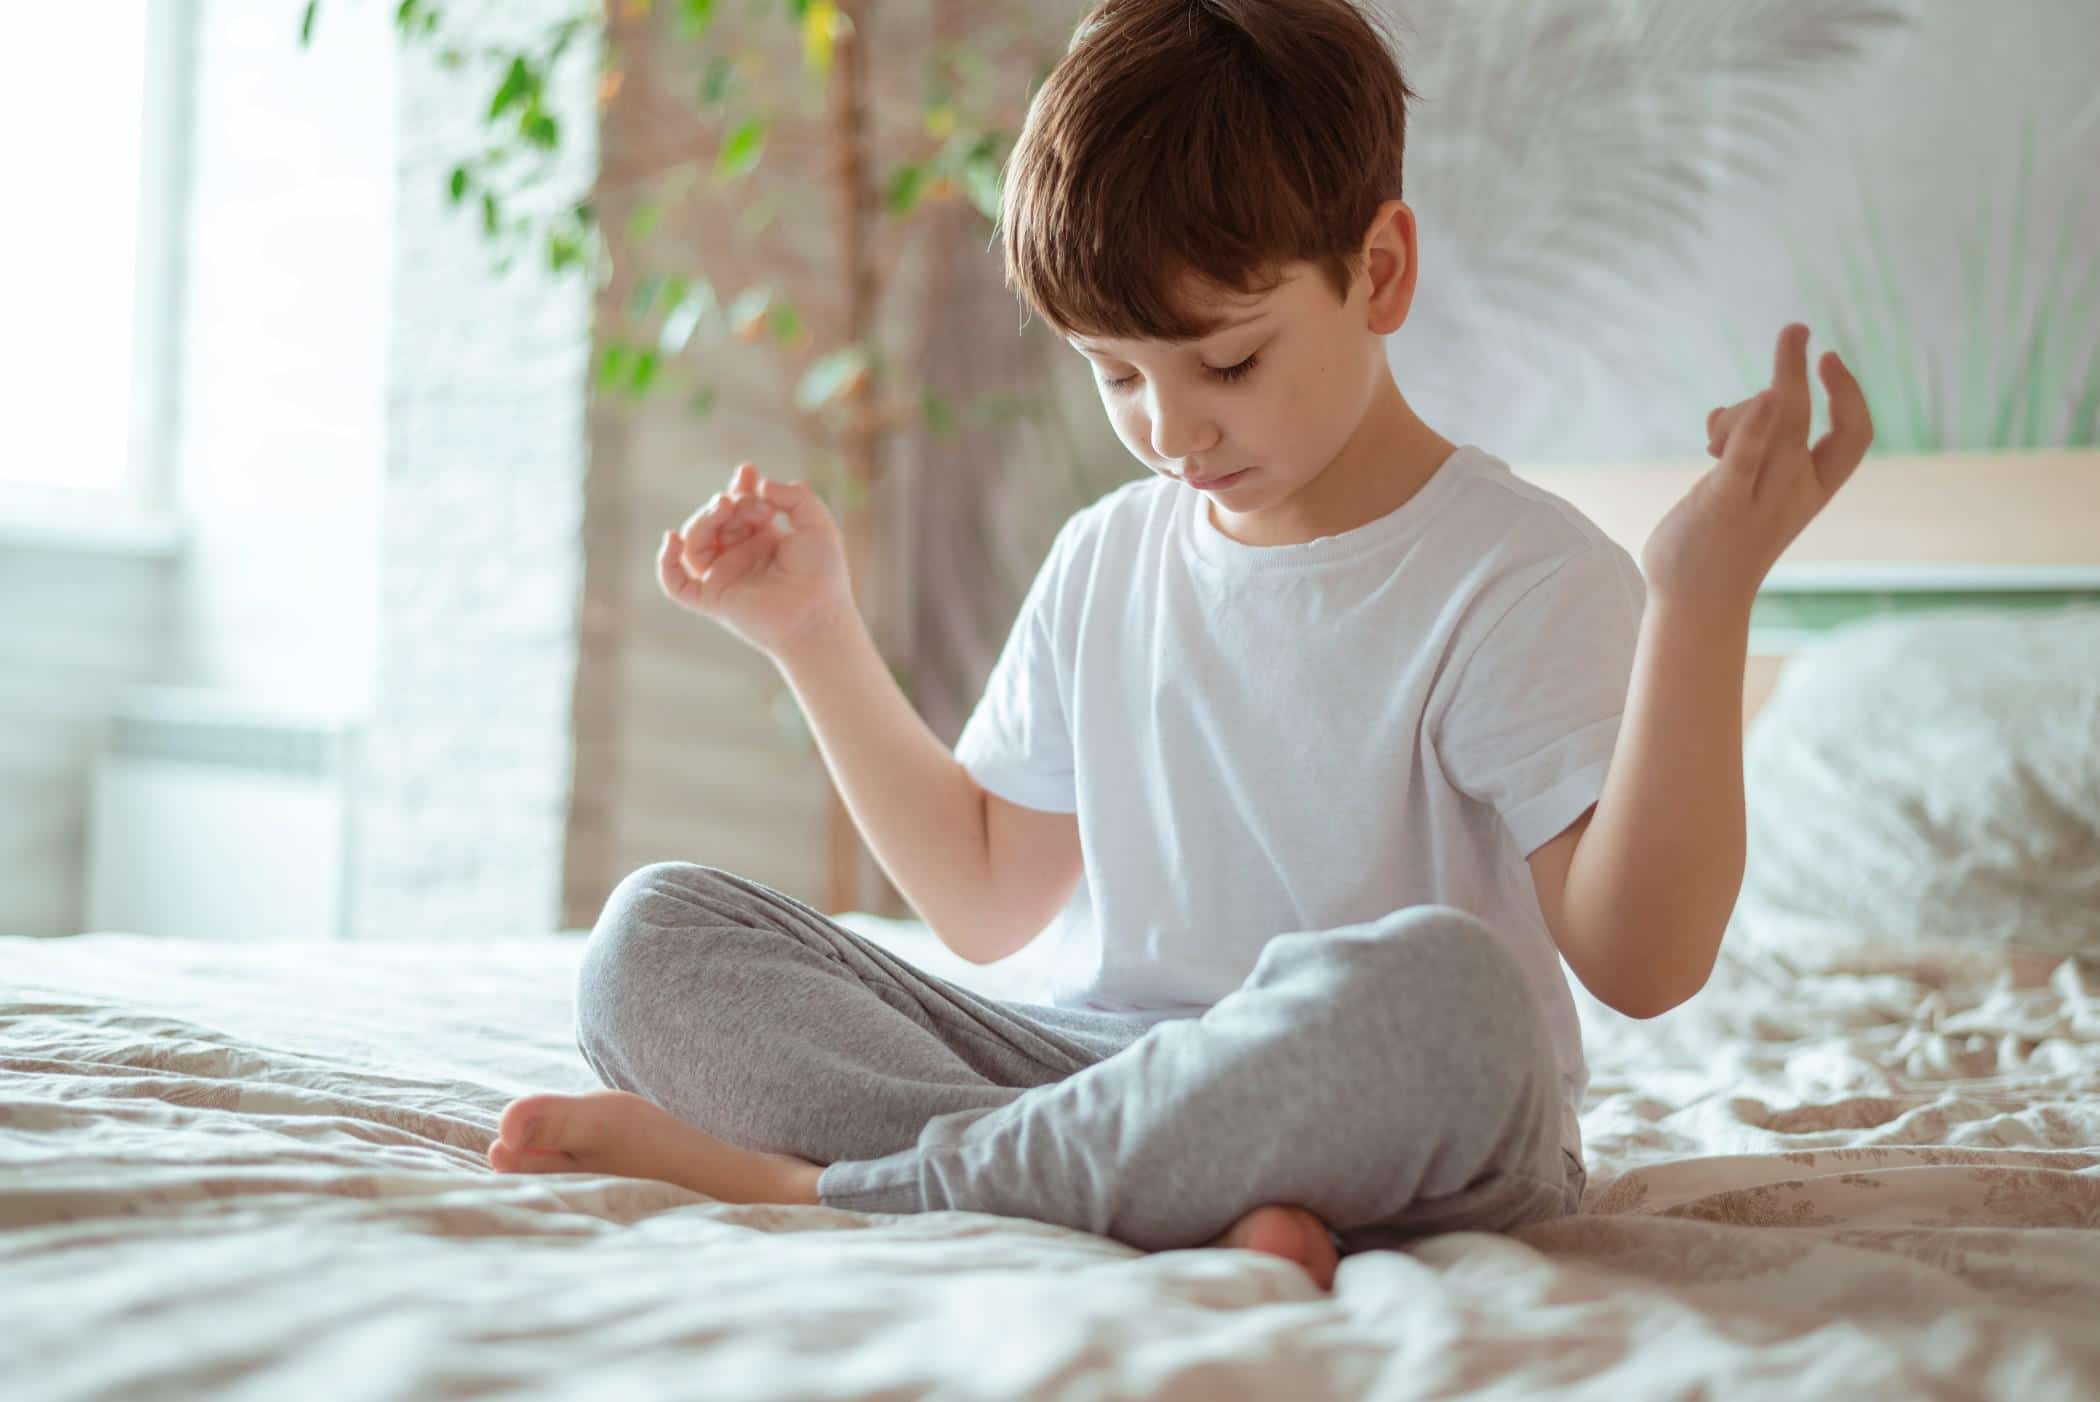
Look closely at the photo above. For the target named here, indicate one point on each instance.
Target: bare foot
(1287, 1230)
(614, 1131)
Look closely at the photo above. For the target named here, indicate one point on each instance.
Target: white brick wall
(468, 755)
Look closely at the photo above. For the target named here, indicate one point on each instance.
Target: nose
(1179, 429)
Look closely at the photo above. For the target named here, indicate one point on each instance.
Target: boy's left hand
(1719, 542)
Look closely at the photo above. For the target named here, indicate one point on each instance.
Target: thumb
(796, 499)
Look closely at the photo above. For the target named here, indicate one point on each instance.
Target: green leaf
(517, 86)
(741, 151)
(641, 299)
(686, 313)
(672, 291)
(306, 22)
(405, 14)
(643, 219)
(563, 249)
(702, 400)
(829, 375)
(906, 183)
(489, 214)
(940, 418)
(980, 179)
(540, 128)
(694, 16)
(719, 83)
(629, 369)
(786, 322)
(458, 184)
(853, 494)
(642, 373)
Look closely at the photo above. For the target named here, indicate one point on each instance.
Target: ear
(1389, 262)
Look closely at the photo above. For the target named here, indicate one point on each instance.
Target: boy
(1329, 740)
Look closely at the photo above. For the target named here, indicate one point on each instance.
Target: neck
(1383, 464)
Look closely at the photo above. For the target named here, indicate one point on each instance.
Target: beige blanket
(256, 1171)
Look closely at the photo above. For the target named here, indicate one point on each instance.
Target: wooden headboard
(1980, 526)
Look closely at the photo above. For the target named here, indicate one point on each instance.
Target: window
(91, 115)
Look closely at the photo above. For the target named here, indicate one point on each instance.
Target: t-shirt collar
(1225, 555)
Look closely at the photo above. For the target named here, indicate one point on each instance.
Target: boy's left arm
(1639, 889)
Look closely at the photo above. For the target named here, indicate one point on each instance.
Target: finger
(736, 521)
(765, 515)
(744, 480)
(705, 529)
(1790, 380)
(704, 540)
(1721, 422)
(803, 509)
(671, 575)
(699, 557)
(734, 563)
(1838, 452)
(1743, 457)
(704, 520)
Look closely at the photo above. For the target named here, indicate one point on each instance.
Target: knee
(1444, 990)
(626, 954)
(1457, 950)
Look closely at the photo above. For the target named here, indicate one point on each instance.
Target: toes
(526, 1123)
(1292, 1232)
(506, 1157)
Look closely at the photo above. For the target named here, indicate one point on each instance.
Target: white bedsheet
(257, 1171)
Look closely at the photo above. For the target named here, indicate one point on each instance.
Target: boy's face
(1264, 405)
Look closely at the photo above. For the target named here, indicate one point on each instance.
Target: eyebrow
(1212, 328)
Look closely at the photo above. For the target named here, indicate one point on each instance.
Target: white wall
(77, 626)
(1610, 246)
(480, 543)
(378, 450)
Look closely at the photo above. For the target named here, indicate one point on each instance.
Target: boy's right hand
(730, 563)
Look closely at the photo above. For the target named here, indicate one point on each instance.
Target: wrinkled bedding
(255, 1171)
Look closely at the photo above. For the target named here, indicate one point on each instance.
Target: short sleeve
(1530, 726)
(1017, 742)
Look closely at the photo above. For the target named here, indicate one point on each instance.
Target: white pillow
(1929, 777)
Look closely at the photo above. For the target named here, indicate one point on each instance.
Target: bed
(1863, 1160)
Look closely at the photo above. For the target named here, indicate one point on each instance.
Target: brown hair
(1218, 138)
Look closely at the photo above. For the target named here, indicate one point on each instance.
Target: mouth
(1210, 484)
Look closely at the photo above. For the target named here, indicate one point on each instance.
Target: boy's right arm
(987, 875)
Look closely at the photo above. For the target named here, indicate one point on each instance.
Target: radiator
(225, 817)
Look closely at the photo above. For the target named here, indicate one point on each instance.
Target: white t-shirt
(1262, 739)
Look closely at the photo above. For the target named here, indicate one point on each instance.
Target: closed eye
(1227, 373)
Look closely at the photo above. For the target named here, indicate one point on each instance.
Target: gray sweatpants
(1394, 1077)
